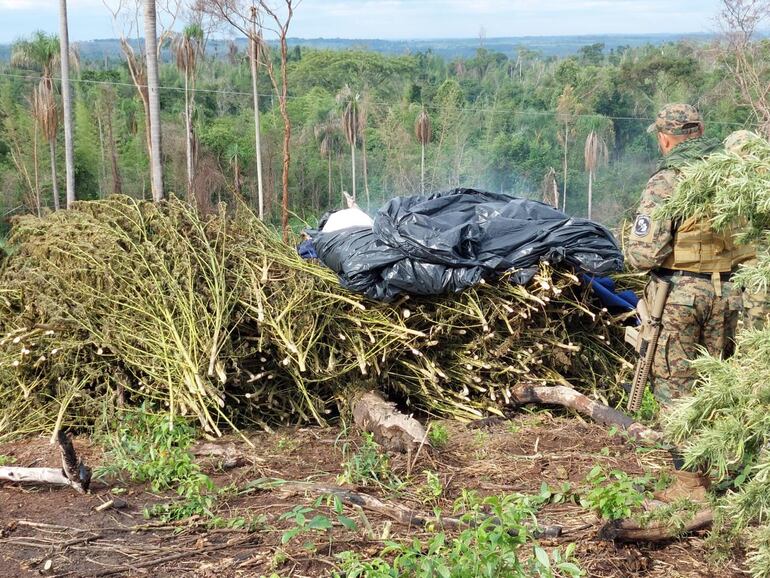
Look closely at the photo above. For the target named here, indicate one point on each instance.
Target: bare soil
(57, 532)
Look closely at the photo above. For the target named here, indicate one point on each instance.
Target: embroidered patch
(642, 225)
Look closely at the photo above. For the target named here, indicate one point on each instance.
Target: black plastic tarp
(450, 241)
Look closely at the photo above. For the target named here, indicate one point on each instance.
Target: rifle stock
(647, 341)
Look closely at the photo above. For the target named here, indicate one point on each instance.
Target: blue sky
(90, 19)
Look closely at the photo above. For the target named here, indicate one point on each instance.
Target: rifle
(645, 339)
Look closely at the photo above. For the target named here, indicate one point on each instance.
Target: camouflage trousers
(756, 309)
(695, 318)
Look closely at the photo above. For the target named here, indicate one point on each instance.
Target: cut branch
(631, 531)
(73, 473)
(569, 398)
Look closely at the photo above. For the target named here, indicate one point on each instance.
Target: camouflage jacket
(650, 240)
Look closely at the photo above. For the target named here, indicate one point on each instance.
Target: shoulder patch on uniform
(642, 225)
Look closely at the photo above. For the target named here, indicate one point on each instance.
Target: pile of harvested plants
(124, 302)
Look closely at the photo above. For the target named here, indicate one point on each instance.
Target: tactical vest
(700, 249)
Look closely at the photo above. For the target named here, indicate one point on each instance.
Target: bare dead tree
(745, 58)
(282, 21)
(245, 17)
(128, 23)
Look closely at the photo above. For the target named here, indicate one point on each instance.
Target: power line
(499, 110)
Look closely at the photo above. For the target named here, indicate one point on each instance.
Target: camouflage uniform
(756, 305)
(700, 311)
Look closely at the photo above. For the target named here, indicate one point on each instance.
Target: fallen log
(391, 429)
(569, 398)
(628, 530)
(73, 472)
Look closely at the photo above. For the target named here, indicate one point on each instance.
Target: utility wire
(499, 110)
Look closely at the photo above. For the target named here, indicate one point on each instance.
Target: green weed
(497, 542)
(319, 523)
(613, 495)
(148, 448)
(438, 435)
(367, 465)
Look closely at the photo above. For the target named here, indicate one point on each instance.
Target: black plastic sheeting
(450, 241)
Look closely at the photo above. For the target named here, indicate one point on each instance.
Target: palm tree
(424, 132)
(42, 52)
(47, 118)
(151, 50)
(188, 49)
(550, 189)
(364, 107)
(234, 159)
(66, 96)
(596, 155)
(350, 125)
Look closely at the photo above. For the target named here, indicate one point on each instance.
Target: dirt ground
(57, 532)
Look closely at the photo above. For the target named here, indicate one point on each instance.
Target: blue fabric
(604, 289)
(306, 250)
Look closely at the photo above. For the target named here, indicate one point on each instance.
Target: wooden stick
(569, 398)
(631, 531)
(74, 472)
(52, 476)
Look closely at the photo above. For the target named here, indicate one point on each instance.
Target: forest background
(513, 119)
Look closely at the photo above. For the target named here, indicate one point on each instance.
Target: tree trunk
(286, 139)
(659, 531)
(353, 167)
(257, 138)
(188, 136)
(237, 177)
(366, 173)
(54, 184)
(564, 186)
(590, 191)
(66, 96)
(35, 159)
(329, 160)
(116, 182)
(422, 170)
(151, 49)
(102, 156)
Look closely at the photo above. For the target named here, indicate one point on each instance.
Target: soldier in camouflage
(756, 305)
(702, 308)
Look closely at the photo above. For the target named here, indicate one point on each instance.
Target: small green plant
(432, 489)
(649, 409)
(287, 444)
(613, 495)
(438, 435)
(367, 465)
(5, 460)
(148, 448)
(558, 495)
(496, 542)
(319, 522)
